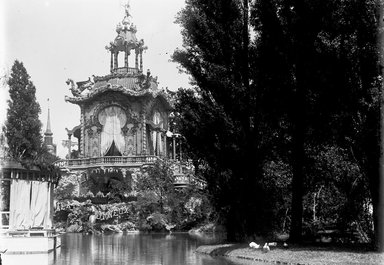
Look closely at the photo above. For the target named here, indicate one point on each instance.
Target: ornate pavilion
(124, 115)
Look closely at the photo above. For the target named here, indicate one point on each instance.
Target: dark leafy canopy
(328, 73)
(330, 68)
(312, 80)
(22, 127)
(219, 116)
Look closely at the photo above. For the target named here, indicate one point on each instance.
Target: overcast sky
(61, 39)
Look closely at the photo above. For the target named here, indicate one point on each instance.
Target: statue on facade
(73, 87)
(127, 9)
(88, 84)
(126, 20)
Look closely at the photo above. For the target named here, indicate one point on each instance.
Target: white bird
(285, 245)
(254, 245)
(266, 248)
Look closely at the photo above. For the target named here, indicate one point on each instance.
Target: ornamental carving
(90, 132)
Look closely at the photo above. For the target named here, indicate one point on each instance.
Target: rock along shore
(242, 254)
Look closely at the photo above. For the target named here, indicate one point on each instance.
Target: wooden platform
(29, 241)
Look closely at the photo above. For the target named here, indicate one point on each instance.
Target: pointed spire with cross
(48, 131)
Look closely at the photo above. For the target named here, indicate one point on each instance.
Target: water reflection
(133, 249)
(33, 259)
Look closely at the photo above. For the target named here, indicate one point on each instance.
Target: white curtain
(159, 144)
(156, 136)
(39, 203)
(20, 204)
(114, 120)
(30, 204)
(50, 210)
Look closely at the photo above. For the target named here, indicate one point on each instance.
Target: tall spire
(48, 138)
(48, 131)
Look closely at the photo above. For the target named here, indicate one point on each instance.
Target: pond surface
(132, 249)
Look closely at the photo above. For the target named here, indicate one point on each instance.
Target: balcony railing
(181, 180)
(106, 161)
(182, 170)
(125, 70)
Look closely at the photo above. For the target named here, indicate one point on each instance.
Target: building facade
(124, 115)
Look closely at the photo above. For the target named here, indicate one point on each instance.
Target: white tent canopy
(30, 204)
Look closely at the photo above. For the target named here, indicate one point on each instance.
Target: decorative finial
(48, 131)
(126, 20)
(127, 8)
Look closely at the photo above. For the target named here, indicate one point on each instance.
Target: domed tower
(124, 115)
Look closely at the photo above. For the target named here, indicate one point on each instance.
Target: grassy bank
(294, 255)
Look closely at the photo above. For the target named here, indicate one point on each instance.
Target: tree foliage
(162, 207)
(22, 127)
(312, 83)
(219, 117)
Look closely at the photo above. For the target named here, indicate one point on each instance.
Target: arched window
(113, 118)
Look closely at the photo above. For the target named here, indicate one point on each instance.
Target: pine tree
(22, 127)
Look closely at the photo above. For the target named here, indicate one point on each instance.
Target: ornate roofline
(121, 89)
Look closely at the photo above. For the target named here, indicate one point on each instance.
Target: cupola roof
(126, 39)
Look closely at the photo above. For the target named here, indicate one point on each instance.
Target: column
(144, 137)
(158, 143)
(136, 59)
(111, 62)
(82, 137)
(141, 60)
(99, 140)
(116, 60)
(126, 58)
(181, 151)
(69, 144)
(174, 146)
(165, 145)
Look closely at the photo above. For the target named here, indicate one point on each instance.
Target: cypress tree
(22, 127)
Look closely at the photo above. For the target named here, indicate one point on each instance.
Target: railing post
(174, 147)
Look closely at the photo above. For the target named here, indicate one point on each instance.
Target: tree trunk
(301, 48)
(378, 208)
(298, 142)
(295, 234)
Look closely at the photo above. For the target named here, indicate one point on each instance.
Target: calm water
(132, 249)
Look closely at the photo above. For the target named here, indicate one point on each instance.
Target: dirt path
(294, 255)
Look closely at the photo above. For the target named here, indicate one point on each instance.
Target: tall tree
(313, 72)
(22, 127)
(329, 67)
(219, 117)
(380, 218)
(286, 56)
(365, 75)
